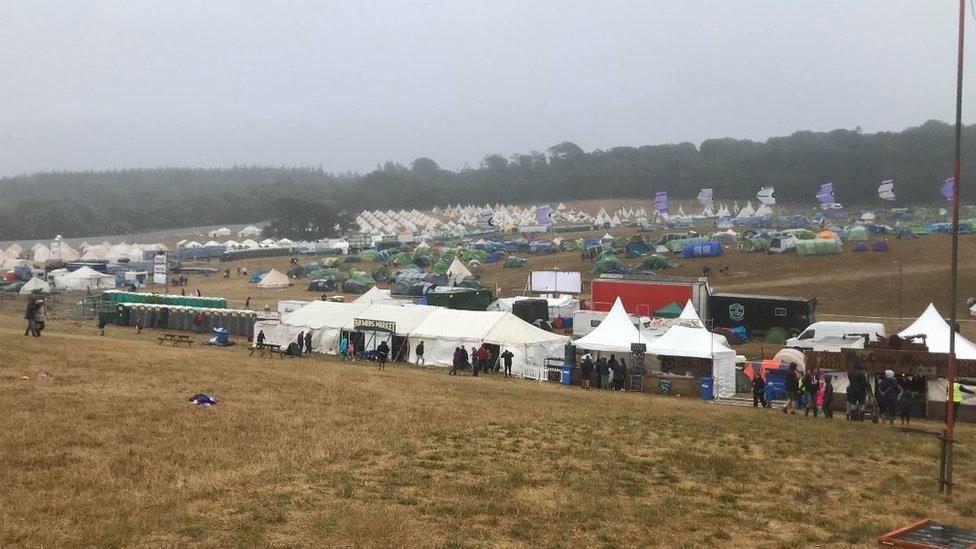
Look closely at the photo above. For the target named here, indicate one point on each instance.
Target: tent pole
(946, 483)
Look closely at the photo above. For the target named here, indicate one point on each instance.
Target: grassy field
(106, 452)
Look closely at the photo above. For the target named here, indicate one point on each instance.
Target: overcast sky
(347, 85)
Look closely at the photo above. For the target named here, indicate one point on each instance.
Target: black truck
(760, 313)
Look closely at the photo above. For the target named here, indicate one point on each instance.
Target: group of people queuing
(608, 373)
(480, 359)
(813, 392)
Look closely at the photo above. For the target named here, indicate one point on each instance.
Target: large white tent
(35, 285)
(82, 279)
(614, 334)
(446, 329)
(325, 318)
(274, 279)
(441, 330)
(936, 332)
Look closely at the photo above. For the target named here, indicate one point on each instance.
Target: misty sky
(347, 85)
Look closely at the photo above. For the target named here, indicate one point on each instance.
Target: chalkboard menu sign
(664, 386)
(929, 533)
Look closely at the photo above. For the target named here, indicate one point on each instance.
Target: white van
(829, 335)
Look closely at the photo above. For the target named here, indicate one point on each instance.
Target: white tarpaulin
(936, 329)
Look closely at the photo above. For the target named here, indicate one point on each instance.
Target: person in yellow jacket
(957, 390)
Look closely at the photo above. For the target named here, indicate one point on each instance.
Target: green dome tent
(367, 255)
(818, 246)
(857, 234)
(516, 262)
(656, 262)
(671, 310)
(608, 262)
(754, 245)
(402, 259)
(776, 336)
(381, 272)
(440, 266)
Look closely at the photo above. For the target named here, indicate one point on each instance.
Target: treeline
(118, 202)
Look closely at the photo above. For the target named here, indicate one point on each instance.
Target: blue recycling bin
(566, 378)
(223, 336)
(707, 388)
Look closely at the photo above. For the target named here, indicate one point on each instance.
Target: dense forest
(117, 202)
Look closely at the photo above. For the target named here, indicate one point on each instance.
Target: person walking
(857, 389)
(247, 302)
(758, 390)
(344, 348)
(300, 343)
(603, 370)
(308, 342)
(888, 398)
(586, 370)
(619, 369)
(811, 385)
(456, 361)
(507, 357)
(828, 400)
(30, 316)
(821, 397)
(957, 390)
(484, 356)
(420, 353)
(260, 339)
(905, 402)
(792, 390)
(382, 352)
(352, 351)
(475, 363)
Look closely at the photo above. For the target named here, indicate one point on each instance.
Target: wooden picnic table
(175, 339)
(269, 349)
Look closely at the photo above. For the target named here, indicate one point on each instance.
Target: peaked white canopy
(936, 331)
(614, 334)
(274, 279)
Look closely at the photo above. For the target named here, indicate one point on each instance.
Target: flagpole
(946, 484)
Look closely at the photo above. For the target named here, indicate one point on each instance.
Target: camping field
(899, 283)
(100, 448)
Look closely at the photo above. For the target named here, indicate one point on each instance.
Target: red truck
(642, 295)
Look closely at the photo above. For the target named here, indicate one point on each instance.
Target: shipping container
(760, 313)
(642, 295)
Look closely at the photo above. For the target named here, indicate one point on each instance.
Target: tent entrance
(399, 350)
(495, 350)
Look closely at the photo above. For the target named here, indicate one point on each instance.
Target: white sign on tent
(159, 269)
(569, 282)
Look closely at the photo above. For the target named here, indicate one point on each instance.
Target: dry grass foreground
(314, 452)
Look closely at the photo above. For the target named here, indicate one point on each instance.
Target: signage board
(567, 282)
(370, 324)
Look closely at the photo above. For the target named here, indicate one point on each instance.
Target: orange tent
(826, 234)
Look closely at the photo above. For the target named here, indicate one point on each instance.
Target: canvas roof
(86, 272)
(376, 295)
(458, 270)
(274, 279)
(324, 314)
(512, 330)
(458, 325)
(406, 317)
(35, 284)
(936, 330)
(688, 342)
(614, 334)
(689, 312)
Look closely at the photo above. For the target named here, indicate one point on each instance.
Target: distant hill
(118, 202)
